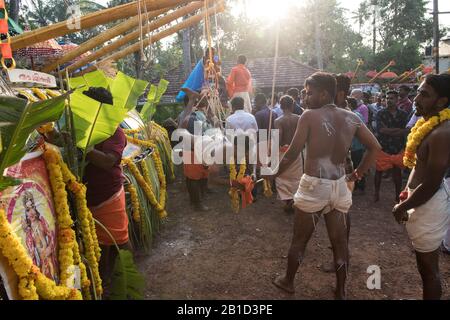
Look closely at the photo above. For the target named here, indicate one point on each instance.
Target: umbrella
(388, 75)
(371, 74)
(41, 51)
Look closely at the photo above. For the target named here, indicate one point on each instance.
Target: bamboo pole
(220, 7)
(405, 77)
(391, 63)
(135, 35)
(100, 39)
(89, 21)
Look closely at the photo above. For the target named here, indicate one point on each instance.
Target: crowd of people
(330, 138)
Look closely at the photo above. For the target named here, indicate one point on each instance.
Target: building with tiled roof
(290, 73)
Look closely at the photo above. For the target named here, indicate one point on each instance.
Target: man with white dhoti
(239, 83)
(287, 182)
(425, 204)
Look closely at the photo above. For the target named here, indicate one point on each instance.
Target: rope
(218, 38)
(141, 34)
(275, 64)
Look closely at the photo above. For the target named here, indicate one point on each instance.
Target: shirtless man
(327, 132)
(426, 209)
(287, 183)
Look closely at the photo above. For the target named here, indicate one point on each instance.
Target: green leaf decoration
(6, 182)
(127, 283)
(153, 98)
(127, 90)
(19, 121)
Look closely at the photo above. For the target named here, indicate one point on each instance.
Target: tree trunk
(187, 67)
(14, 8)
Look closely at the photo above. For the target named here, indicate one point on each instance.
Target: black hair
(441, 84)
(343, 83)
(392, 92)
(237, 103)
(286, 102)
(323, 81)
(241, 59)
(404, 87)
(293, 92)
(99, 94)
(352, 102)
(186, 100)
(260, 97)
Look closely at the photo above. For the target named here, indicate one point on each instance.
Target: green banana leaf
(127, 282)
(154, 96)
(127, 90)
(23, 119)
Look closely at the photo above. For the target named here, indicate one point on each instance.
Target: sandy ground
(222, 255)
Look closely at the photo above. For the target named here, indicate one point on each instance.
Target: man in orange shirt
(239, 83)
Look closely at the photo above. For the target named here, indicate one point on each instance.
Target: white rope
(141, 35)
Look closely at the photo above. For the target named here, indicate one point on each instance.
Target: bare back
(287, 124)
(330, 134)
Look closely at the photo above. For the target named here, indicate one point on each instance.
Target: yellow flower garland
(267, 188)
(145, 182)
(134, 202)
(418, 133)
(32, 283)
(159, 206)
(234, 192)
(89, 235)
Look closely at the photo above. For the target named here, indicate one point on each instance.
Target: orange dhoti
(387, 161)
(113, 216)
(193, 170)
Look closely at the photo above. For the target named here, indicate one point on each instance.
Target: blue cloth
(194, 81)
(356, 144)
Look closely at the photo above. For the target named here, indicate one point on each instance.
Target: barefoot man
(287, 183)
(327, 132)
(426, 201)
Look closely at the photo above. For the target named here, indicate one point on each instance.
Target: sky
(266, 8)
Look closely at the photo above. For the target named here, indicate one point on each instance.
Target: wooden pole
(120, 29)
(100, 39)
(88, 21)
(220, 7)
(391, 63)
(135, 35)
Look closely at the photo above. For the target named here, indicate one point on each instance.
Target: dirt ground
(222, 255)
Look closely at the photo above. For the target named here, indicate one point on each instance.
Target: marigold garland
(66, 235)
(418, 133)
(267, 188)
(234, 192)
(89, 235)
(145, 182)
(134, 202)
(159, 206)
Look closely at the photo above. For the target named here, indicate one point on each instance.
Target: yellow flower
(134, 202)
(421, 130)
(234, 192)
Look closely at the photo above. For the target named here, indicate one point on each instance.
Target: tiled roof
(290, 73)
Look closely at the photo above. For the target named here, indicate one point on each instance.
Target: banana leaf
(23, 119)
(127, 282)
(154, 96)
(125, 91)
